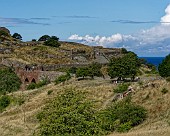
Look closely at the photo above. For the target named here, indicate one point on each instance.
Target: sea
(154, 60)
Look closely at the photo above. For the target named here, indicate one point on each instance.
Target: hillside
(21, 120)
(38, 65)
(67, 53)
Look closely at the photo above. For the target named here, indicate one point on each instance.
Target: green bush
(72, 114)
(62, 78)
(122, 116)
(31, 86)
(164, 90)
(9, 81)
(164, 67)
(4, 102)
(38, 85)
(42, 83)
(69, 115)
(121, 88)
(72, 70)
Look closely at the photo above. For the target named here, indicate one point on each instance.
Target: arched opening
(33, 81)
(26, 80)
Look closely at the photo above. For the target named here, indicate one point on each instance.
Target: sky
(141, 26)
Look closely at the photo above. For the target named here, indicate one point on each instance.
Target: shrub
(42, 83)
(72, 70)
(52, 41)
(4, 102)
(164, 91)
(9, 81)
(31, 86)
(69, 115)
(164, 67)
(122, 116)
(121, 88)
(62, 78)
(38, 85)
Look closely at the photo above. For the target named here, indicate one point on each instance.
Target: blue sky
(142, 26)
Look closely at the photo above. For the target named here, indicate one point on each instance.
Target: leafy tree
(34, 40)
(62, 78)
(124, 51)
(44, 38)
(82, 72)
(17, 36)
(164, 67)
(123, 67)
(52, 41)
(9, 81)
(94, 70)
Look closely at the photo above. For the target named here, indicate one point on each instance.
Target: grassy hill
(37, 53)
(21, 119)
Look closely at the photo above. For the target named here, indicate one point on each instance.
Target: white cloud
(151, 42)
(165, 20)
(97, 40)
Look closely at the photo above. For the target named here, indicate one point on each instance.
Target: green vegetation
(124, 51)
(62, 78)
(124, 67)
(164, 67)
(122, 116)
(72, 114)
(72, 70)
(17, 36)
(4, 102)
(38, 85)
(121, 88)
(69, 115)
(52, 41)
(9, 81)
(82, 72)
(44, 38)
(92, 70)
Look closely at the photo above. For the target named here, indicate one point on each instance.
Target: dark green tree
(44, 38)
(164, 67)
(52, 41)
(124, 51)
(94, 70)
(123, 67)
(17, 36)
(82, 72)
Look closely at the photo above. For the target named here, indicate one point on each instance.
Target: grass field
(21, 120)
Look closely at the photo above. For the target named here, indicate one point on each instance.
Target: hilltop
(35, 52)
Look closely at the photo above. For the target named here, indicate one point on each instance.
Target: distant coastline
(153, 60)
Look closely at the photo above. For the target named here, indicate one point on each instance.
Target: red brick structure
(27, 76)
